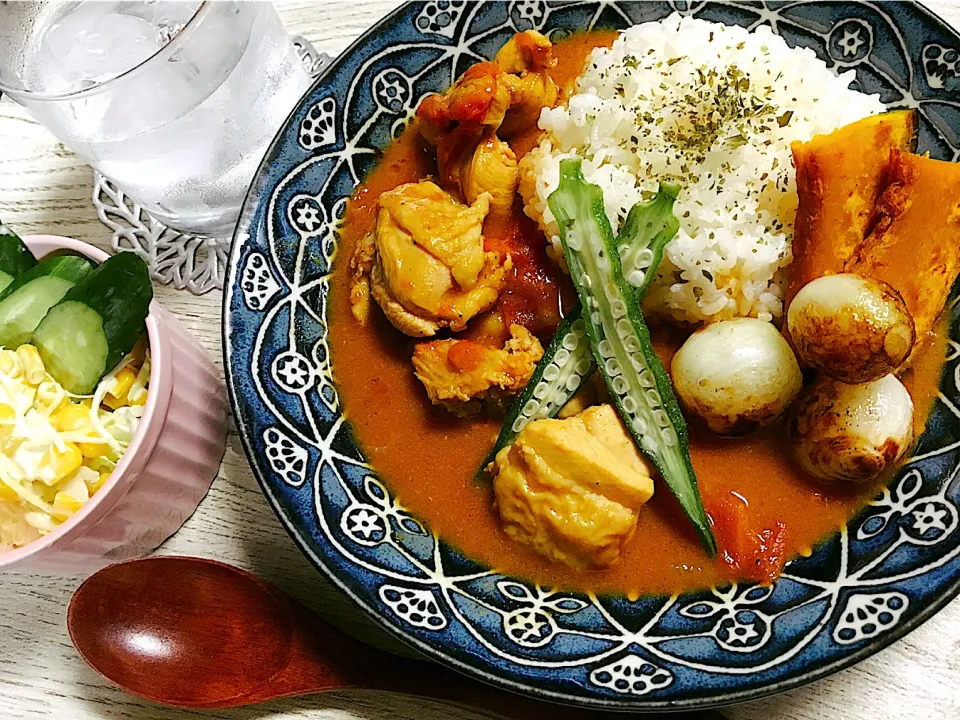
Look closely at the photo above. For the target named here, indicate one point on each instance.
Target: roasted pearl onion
(851, 433)
(854, 329)
(738, 375)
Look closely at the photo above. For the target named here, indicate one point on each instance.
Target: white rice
(640, 114)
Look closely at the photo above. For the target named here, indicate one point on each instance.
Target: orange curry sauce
(765, 511)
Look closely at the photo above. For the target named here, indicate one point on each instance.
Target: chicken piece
(507, 94)
(492, 170)
(431, 219)
(572, 489)
(477, 98)
(415, 278)
(362, 262)
(425, 264)
(525, 60)
(402, 319)
(840, 176)
(456, 121)
(457, 307)
(462, 375)
(529, 95)
(525, 52)
(915, 246)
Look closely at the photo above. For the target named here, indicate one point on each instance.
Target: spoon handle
(323, 658)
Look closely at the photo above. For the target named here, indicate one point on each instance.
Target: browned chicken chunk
(572, 489)
(476, 99)
(424, 264)
(504, 97)
(524, 61)
(463, 375)
(492, 169)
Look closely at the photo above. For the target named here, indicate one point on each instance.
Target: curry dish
(449, 289)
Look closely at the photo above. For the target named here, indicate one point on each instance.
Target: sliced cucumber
(72, 268)
(15, 257)
(28, 298)
(118, 292)
(73, 346)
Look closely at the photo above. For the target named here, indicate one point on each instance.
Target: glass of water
(175, 102)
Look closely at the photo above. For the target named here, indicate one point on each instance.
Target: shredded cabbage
(57, 450)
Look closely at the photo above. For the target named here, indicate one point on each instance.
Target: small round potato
(737, 375)
(852, 328)
(850, 433)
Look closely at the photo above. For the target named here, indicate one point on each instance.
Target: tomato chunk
(531, 296)
(753, 553)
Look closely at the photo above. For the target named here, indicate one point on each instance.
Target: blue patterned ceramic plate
(894, 566)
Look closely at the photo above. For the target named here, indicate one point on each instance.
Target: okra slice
(647, 229)
(566, 364)
(620, 341)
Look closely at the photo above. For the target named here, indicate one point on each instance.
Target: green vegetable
(638, 384)
(647, 229)
(5, 280)
(28, 298)
(96, 324)
(15, 257)
(565, 366)
(73, 346)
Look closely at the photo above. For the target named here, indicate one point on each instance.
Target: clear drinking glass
(175, 102)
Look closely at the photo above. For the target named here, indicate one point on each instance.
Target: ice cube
(167, 18)
(90, 45)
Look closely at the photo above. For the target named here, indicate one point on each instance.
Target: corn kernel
(8, 494)
(93, 450)
(10, 363)
(98, 483)
(75, 417)
(8, 422)
(71, 418)
(65, 505)
(63, 463)
(33, 370)
(123, 381)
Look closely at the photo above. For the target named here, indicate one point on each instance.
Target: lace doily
(187, 262)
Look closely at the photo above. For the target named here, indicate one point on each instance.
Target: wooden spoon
(198, 633)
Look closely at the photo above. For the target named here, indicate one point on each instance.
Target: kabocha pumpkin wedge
(915, 246)
(840, 176)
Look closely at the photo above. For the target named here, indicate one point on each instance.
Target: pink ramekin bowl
(166, 470)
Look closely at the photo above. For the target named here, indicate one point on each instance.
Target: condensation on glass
(175, 102)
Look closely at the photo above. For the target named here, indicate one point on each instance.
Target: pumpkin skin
(840, 177)
(915, 246)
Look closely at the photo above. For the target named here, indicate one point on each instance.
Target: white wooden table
(44, 188)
